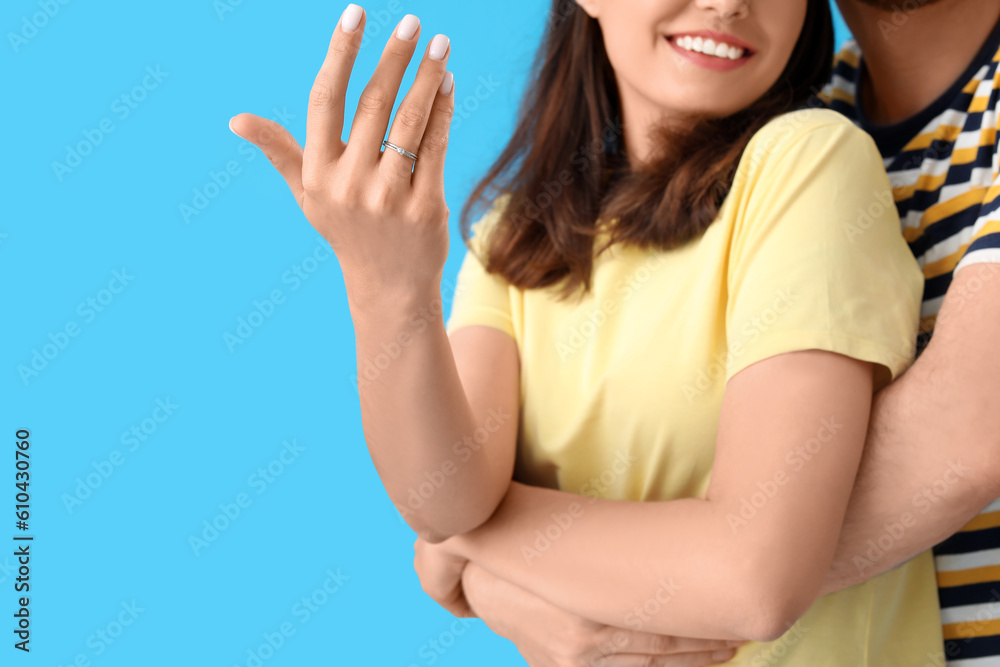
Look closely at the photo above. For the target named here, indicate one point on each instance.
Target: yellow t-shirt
(621, 389)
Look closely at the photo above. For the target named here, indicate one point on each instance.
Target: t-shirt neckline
(892, 139)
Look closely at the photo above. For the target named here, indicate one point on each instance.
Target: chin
(679, 108)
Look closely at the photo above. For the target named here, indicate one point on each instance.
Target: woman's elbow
(772, 618)
(773, 604)
(438, 528)
(434, 532)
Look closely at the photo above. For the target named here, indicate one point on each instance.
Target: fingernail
(231, 128)
(351, 18)
(408, 27)
(439, 46)
(720, 656)
(447, 83)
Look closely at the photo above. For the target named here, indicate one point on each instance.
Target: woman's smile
(712, 50)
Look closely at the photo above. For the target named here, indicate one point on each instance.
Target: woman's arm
(743, 563)
(421, 397)
(545, 635)
(441, 418)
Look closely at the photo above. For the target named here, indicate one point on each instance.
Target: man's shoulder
(840, 92)
(849, 54)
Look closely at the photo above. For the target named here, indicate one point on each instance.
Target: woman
(675, 315)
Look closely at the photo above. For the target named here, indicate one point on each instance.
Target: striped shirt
(944, 169)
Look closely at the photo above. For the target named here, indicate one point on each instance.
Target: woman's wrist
(379, 306)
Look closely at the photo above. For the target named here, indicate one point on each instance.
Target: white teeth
(710, 47)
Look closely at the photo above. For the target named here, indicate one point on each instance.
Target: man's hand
(545, 635)
(440, 573)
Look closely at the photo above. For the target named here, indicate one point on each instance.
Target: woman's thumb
(276, 143)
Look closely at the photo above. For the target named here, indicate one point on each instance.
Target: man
(928, 90)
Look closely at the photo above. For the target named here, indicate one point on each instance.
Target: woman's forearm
(674, 568)
(418, 421)
(694, 567)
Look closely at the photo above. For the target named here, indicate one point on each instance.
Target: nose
(728, 10)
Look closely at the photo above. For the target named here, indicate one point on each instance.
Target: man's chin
(895, 5)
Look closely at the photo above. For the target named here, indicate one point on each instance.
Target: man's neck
(912, 58)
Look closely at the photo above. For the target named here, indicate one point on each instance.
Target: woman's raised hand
(387, 226)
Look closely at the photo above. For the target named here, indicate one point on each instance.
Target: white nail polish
(231, 128)
(447, 83)
(439, 47)
(351, 18)
(408, 27)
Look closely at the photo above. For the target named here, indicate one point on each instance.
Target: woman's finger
(633, 641)
(701, 659)
(276, 143)
(377, 99)
(411, 117)
(428, 177)
(325, 118)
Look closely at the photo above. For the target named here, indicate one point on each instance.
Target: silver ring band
(401, 151)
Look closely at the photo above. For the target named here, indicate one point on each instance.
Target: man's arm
(932, 457)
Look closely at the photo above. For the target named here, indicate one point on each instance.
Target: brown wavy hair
(564, 169)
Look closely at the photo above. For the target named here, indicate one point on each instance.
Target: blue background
(116, 529)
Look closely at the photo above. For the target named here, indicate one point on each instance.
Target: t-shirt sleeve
(480, 297)
(985, 243)
(817, 259)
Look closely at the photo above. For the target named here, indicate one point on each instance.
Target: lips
(712, 50)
